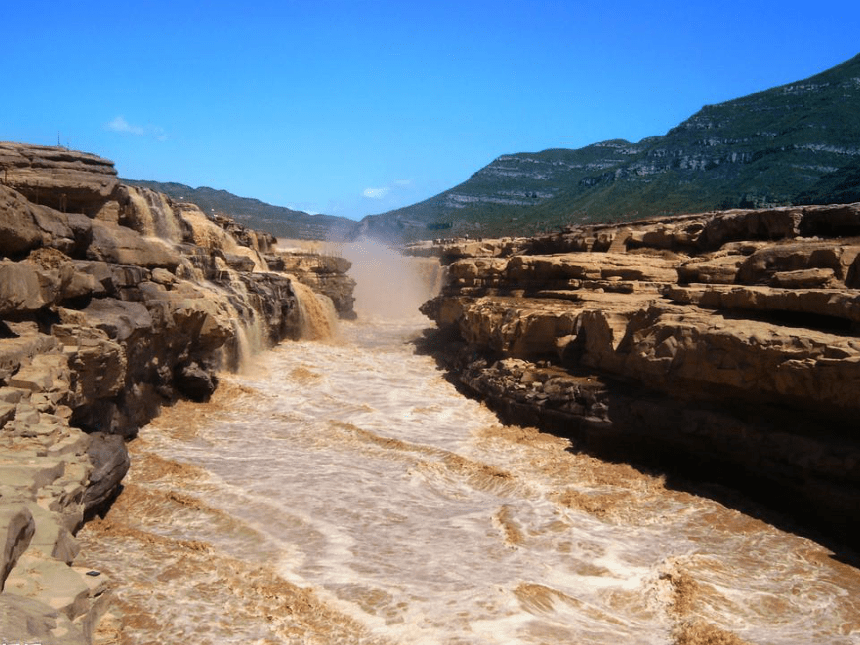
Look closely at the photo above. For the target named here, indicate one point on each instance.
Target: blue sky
(355, 108)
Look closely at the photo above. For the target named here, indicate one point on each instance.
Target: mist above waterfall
(390, 285)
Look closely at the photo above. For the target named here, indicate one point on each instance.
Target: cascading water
(344, 492)
(153, 216)
(317, 315)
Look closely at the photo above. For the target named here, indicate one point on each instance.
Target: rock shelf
(721, 345)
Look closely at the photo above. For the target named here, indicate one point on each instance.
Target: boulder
(19, 231)
(111, 462)
(56, 231)
(25, 289)
(196, 383)
(55, 584)
(18, 527)
(117, 244)
(118, 319)
(716, 270)
(98, 364)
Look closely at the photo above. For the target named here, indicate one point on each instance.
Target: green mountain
(798, 143)
(277, 220)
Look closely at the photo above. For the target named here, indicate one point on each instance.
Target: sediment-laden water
(344, 492)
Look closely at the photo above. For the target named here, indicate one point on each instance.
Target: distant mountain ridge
(277, 220)
(797, 143)
(794, 144)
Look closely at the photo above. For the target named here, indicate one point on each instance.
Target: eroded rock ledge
(114, 301)
(719, 344)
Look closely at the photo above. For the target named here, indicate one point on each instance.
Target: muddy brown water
(344, 492)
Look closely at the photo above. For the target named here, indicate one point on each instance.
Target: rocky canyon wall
(114, 301)
(721, 346)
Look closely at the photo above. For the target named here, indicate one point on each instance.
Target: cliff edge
(724, 346)
(114, 301)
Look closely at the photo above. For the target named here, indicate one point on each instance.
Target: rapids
(344, 492)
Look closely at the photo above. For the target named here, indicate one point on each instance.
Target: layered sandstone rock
(114, 301)
(325, 274)
(62, 179)
(720, 344)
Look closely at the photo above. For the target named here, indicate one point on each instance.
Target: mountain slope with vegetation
(277, 220)
(797, 143)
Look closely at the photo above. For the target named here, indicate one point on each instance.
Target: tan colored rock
(745, 358)
(118, 319)
(73, 284)
(767, 224)
(44, 373)
(682, 233)
(99, 364)
(54, 584)
(15, 351)
(121, 245)
(717, 270)
(51, 539)
(24, 288)
(208, 235)
(761, 266)
(18, 527)
(19, 231)
(805, 278)
(30, 621)
(679, 347)
(590, 266)
(842, 304)
(66, 180)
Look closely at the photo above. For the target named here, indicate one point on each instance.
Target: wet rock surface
(724, 346)
(114, 302)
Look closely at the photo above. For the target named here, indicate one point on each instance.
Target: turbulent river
(344, 492)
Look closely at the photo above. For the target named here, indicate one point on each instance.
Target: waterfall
(152, 215)
(163, 218)
(389, 285)
(317, 314)
(347, 493)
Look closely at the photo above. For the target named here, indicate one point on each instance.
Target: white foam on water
(405, 507)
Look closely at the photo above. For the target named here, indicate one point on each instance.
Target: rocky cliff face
(722, 345)
(114, 301)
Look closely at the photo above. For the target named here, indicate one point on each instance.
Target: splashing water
(154, 215)
(390, 286)
(344, 492)
(317, 315)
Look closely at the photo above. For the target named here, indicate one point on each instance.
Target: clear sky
(355, 108)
